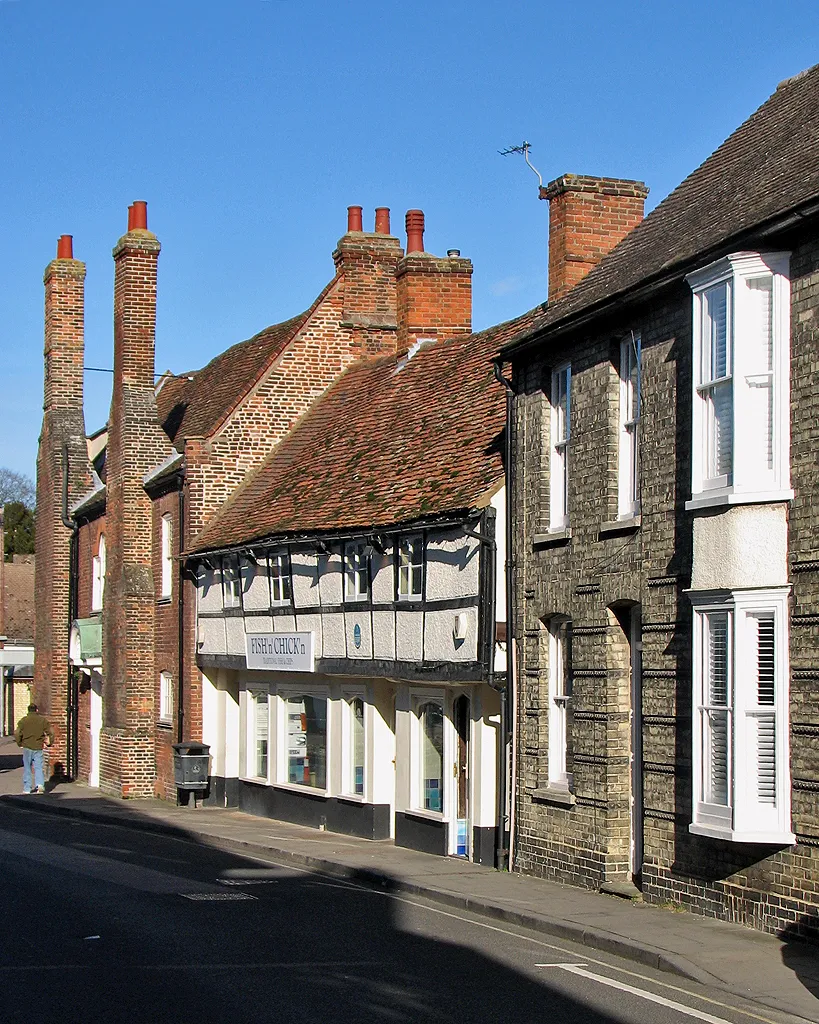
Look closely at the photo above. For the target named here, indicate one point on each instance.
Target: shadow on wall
(800, 955)
(298, 947)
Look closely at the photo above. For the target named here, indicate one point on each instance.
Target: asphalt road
(104, 924)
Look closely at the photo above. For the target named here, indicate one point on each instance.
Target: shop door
(460, 824)
(636, 653)
(95, 728)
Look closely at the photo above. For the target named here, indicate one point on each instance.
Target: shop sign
(280, 652)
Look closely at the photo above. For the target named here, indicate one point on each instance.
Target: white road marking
(621, 986)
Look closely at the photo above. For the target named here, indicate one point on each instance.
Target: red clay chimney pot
(65, 247)
(140, 216)
(415, 230)
(382, 220)
(131, 217)
(354, 222)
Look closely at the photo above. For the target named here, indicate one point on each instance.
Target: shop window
(431, 736)
(355, 747)
(410, 568)
(306, 723)
(740, 750)
(98, 576)
(259, 733)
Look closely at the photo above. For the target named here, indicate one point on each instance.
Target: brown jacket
(32, 730)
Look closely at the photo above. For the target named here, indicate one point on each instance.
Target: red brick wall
(587, 218)
(434, 298)
(63, 427)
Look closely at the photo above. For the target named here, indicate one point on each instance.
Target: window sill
(351, 798)
(730, 836)
(552, 538)
(292, 787)
(165, 599)
(625, 525)
(553, 795)
(166, 724)
(415, 812)
(717, 498)
(257, 780)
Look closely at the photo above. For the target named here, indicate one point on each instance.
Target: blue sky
(249, 126)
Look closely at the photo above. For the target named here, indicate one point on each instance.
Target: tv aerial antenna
(523, 149)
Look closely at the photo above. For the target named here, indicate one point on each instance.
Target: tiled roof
(387, 444)
(768, 167)
(195, 407)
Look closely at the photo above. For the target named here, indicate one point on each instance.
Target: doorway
(95, 726)
(635, 634)
(460, 841)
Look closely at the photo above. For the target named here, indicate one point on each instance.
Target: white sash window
(741, 430)
(740, 757)
(629, 497)
(559, 463)
(560, 688)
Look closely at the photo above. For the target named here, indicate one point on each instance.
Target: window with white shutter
(741, 431)
(559, 463)
(628, 504)
(740, 756)
(560, 691)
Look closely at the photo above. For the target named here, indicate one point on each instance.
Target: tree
(18, 523)
(16, 487)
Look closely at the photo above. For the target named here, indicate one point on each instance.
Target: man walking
(32, 732)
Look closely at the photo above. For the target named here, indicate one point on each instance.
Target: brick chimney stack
(136, 444)
(366, 263)
(587, 218)
(62, 435)
(434, 292)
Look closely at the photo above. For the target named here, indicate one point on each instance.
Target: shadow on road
(10, 762)
(799, 952)
(293, 947)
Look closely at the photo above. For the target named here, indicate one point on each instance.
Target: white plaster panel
(358, 616)
(305, 579)
(212, 636)
(284, 624)
(439, 640)
(453, 565)
(259, 624)
(232, 724)
(333, 636)
(409, 636)
(311, 624)
(213, 722)
(255, 586)
(210, 590)
(499, 505)
(384, 635)
(743, 546)
(383, 577)
(235, 633)
(331, 579)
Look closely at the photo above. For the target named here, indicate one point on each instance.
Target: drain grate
(217, 896)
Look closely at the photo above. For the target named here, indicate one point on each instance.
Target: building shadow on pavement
(143, 926)
(799, 952)
(10, 762)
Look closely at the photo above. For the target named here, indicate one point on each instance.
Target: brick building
(664, 480)
(121, 665)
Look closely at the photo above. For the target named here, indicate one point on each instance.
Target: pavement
(769, 971)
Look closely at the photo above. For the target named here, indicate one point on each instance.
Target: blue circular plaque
(357, 636)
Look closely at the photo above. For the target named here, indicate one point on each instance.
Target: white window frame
(281, 579)
(418, 699)
(166, 556)
(356, 571)
(282, 773)
(165, 698)
(414, 566)
(231, 583)
(744, 817)
(628, 498)
(559, 697)
(750, 478)
(98, 576)
(347, 788)
(559, 438)
(253, 694)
